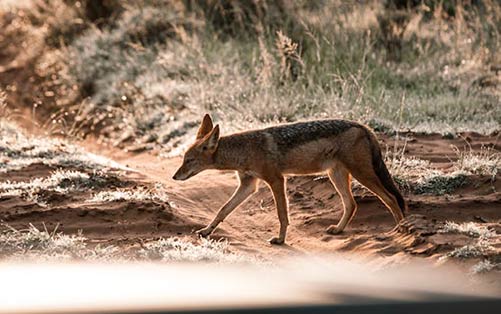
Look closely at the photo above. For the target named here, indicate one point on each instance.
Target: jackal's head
(200, 155)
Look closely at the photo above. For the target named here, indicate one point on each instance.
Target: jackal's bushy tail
(383, 173)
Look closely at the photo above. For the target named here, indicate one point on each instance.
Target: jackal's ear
(205, 127)
(213, 138)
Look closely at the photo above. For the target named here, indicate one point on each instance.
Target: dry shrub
(243, 18)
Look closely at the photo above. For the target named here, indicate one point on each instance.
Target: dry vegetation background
(141, 73)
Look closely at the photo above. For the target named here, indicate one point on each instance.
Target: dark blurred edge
(471, 306)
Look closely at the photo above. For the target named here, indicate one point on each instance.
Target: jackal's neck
(230, 154)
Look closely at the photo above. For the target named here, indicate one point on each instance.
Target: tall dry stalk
(291, 64)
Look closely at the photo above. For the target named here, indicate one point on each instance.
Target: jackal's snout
(177, 176)
(182, 174)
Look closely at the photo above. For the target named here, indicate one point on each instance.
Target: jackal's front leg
(247, 186)
(278, 188)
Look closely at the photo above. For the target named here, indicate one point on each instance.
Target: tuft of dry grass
(60, 181)
(130, 195)
(3, 104)
(486, 162)
(484, 266)
(477, 249)
(177, 250)
(469, 228)
(420, 177)
(291, 64)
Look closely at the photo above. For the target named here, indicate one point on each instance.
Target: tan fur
(256, 155)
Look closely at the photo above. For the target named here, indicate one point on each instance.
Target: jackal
(340, 148)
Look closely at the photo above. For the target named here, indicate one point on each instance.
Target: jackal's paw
(204, 232)
(277, 241)
(334, 230)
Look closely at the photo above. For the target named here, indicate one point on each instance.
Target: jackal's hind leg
(247, 186)
(370, 180)
(341, 179)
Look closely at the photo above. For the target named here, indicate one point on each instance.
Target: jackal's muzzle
(183, 174)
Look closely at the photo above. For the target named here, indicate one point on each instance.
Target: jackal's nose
(176, 176)
(180, 175)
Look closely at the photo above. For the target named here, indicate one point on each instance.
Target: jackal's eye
(204, 148)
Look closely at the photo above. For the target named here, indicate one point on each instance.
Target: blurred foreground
(335, 284)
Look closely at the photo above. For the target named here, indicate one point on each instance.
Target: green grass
(440, 184)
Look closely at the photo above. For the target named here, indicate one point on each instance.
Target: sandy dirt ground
(314, 205)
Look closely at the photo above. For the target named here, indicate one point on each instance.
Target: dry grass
(484, 266)
(145, 73)
(60, 181)
(477, 249)
(410, 168)
(482, 246)
(41, 245)
(486, 162)
(76, 170)
(440, 184)
(469, 228)
(177, 250)
(18, 151)
(420, 177)
(140, 194)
